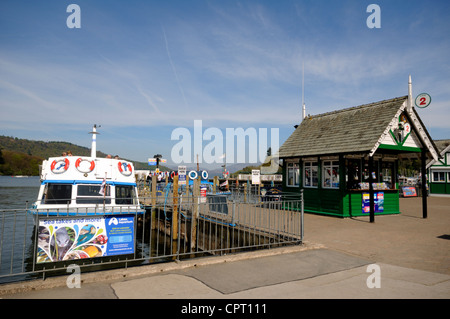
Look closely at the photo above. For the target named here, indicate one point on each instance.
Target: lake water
(16, 191)
(16, 227)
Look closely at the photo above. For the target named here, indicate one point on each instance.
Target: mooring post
(216, 179)
(245, 193)
(153, 201)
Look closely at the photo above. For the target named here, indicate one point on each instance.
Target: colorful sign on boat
(62, 239)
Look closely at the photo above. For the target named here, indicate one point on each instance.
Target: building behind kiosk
(439, 171)
(346, 159)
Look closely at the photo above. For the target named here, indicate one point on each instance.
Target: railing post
(196, 203)
(153, 201)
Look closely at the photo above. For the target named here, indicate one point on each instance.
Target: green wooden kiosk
(347, 159)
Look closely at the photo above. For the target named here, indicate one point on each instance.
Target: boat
(87, 185)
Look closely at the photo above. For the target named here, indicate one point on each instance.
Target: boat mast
(94, 141)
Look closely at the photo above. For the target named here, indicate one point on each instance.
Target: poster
(62, 239)
(256, 177)
(378, 198)
(181, 175)
(409, 191)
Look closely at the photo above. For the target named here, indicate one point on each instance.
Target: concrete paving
(340, 258)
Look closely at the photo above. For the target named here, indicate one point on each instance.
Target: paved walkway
(340, 258)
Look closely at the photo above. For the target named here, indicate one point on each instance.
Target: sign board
(203, 194)
(84, 237)
(256, 177)
(154, 162)
(182, 175)
(378, 198)
(423, 100)
(409, 191)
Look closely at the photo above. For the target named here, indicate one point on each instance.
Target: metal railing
(168, 228)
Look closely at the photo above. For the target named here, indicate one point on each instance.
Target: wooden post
(245, 192)
(195, 213)
(215, 183)
(153, 201)
(175, 209)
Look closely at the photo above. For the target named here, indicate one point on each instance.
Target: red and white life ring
(125, 168)
(59, 166)
(84, 165)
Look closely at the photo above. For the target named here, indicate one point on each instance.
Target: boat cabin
(73, 185)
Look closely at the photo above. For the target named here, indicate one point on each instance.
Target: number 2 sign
(423, 100)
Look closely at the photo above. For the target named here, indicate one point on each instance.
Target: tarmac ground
(397, 257)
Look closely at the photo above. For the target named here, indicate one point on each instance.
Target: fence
(171, 227)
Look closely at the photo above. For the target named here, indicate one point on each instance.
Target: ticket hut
(346, 160)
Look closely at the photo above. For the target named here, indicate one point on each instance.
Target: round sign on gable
(423, 100)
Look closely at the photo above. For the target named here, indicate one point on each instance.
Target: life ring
(193, 175)
(125, 168)
(204, 175)
(63, 165)
(84, 168)
(173, 174)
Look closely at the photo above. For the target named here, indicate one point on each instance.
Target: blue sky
(140, 69)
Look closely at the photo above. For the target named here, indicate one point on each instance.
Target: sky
(142, 69)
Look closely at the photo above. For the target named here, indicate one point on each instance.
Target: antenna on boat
(94, 141)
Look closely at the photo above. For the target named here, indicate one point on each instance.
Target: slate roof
(442, 144)
(351, 130)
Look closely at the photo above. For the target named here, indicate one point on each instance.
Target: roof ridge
(359, 106)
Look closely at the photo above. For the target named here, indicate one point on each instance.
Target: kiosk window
(310, 174)
(439, 177)
(293, 171)
(330, 174)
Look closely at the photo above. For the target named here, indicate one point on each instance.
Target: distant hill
(23, 157)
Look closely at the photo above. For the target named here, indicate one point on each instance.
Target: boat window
(94, 194)
(125, 195)
(57, 194)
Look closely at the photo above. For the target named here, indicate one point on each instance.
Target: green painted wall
(339, 202)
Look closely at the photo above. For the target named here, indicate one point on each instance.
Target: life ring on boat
(59, 166)
(84, 168)
(193, 175)
(125, 168)
(204, 175)
(173, 174)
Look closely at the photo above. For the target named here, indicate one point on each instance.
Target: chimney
(410, 102)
